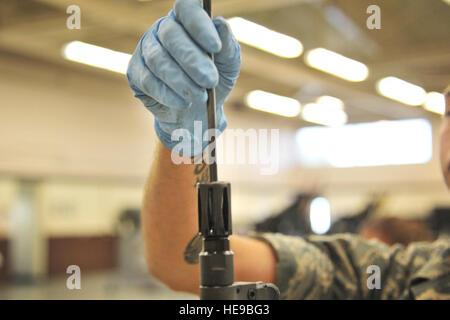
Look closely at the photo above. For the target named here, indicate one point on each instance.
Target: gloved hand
(170, 71)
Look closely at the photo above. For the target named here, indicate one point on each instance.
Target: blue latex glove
(170, 71)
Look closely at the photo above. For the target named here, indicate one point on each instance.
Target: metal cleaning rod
(211, 114)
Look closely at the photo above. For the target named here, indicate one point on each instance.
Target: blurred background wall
(84, 144)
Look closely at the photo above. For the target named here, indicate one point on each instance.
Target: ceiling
(413, 44)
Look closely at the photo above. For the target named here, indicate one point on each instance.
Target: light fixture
(272, 103)
(401, 91)
(320, 215)
(265, 39)
(327, 111)
(96, 56)
(378, 143)
(336, 64)
(435, 102)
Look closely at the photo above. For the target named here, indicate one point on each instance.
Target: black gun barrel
(211, 115)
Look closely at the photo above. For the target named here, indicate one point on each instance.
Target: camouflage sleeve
(345, 266)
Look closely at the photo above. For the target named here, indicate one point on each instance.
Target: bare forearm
(170, 216)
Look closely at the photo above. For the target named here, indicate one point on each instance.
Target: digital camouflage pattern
(335, 267)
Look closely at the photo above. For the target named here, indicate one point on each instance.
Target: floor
(94, 286)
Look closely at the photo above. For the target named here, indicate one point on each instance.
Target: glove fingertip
(221, 23)
(229, 42)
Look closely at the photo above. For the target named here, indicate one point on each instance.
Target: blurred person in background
(393, 230)
(169, 72)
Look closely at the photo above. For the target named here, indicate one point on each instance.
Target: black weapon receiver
(214, 223)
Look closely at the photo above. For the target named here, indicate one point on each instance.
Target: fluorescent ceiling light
(272, 103)
(327, 111)
(320, 215)
(96, 56)
(366, 144)
(265, 39)
(331, 102)
(336, 64)
(435, 102)
(401, 91)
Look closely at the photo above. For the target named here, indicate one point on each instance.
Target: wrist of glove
(170, 71)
